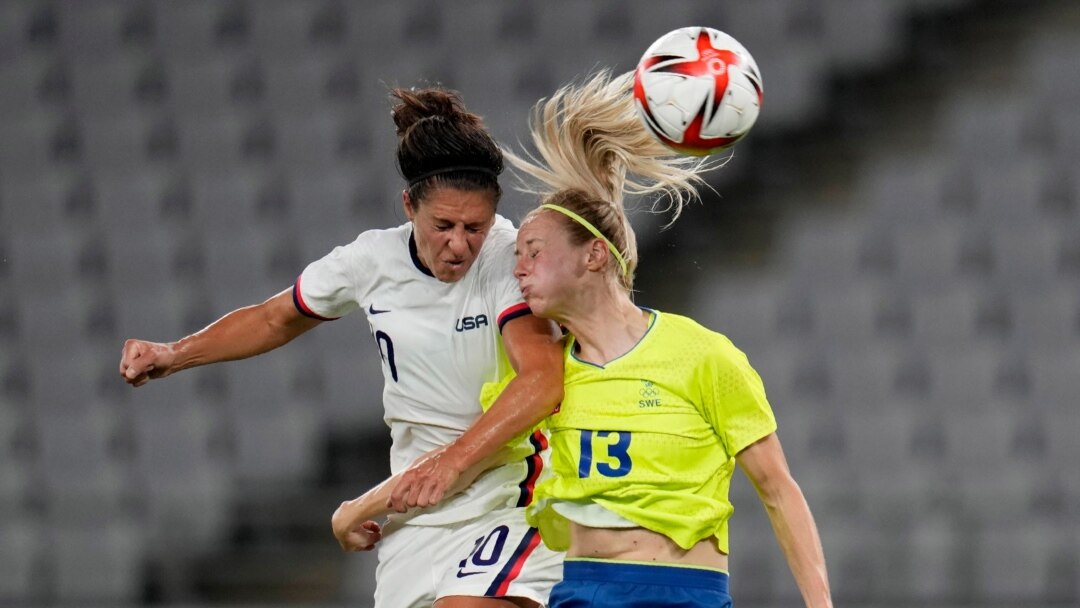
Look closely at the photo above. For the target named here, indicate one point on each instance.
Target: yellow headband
(577, 218)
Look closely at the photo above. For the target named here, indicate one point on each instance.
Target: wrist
(458, 455)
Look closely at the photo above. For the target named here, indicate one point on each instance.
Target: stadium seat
(24, 78)
(864, 377)
(858, 558)
(954, 319)
(1025, 253)
(16, 479)
(106, 88)
(27, 145)
(274, 431)
(212, 143)
(908, 191)
(314, 141)
(282, 29)
(930, 257)
(1046, 318)
(98, 563)
(92, 32)
(825, 251)
(851, 315)
(1013, 562)
(188, 29)
(1008, 193)
(21, 549)
(183, 466)
(860, 34)
(129, 204)
(965, 119)
(933, 546)
(964, 381)
(119, 144)
(84, 480)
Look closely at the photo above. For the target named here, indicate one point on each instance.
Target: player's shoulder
(379, 243)
(497, 254)
(689, 333)
(503, 233)
(384, 236)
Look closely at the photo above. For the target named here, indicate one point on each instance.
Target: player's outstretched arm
(534, 347)
(242, 333)
(354, 522)
(765, 465)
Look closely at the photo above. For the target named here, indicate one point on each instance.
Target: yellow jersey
(652, 435)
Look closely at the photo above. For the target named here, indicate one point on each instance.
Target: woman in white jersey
(657, 409)
(448, 317)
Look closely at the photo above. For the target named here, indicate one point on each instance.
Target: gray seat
(908, 191)
(859, 35)
(213, 142)
(1008, 193)
(22, 78)
(274, 432)
(933, 547)
(1025, 253)
(120, 143)
(26, 145)
(105, 87)
(98, 563)
(825, 251)
(16, 472)
(201, 86)
(91, 32)
(182, 466)
(1047, 318)
(129, 203)
(22, 547)
(83, 478)
(947, 320)
(187, 29)
(1014, 560)
(964, 379)
(965, 119)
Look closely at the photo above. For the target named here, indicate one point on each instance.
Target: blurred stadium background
(896, 246)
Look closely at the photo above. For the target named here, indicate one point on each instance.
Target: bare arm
(535, 350)
(354, 522)
(242, 333)
(765, 465)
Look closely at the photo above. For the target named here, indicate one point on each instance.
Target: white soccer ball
(698, 90)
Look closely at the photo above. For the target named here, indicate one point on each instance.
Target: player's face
(450, 226)
(550, 269)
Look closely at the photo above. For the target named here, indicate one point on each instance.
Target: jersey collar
(654, 316)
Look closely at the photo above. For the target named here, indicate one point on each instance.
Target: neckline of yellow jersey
(653, 319)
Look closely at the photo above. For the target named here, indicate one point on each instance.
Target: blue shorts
(636, 585)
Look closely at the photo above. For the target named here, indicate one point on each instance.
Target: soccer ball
(697, 90)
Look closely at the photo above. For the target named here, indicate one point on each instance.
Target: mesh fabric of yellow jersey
(653, 435)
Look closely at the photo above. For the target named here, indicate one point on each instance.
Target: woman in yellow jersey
(658, 410)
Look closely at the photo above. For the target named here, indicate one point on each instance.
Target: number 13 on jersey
(615, 463)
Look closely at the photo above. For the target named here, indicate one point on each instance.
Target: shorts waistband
(616, 571)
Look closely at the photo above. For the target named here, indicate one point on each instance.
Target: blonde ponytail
(593, 151)
(589, 138)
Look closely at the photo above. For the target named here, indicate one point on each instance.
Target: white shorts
(497, 555)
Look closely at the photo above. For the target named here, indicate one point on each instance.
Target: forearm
(245, 332)
(369, 506)
(373, 504)
(526, 400)
(797, 534)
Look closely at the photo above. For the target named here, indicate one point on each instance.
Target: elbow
(774, 489)
(338, 519)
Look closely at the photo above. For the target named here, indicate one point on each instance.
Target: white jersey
(439, 343)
